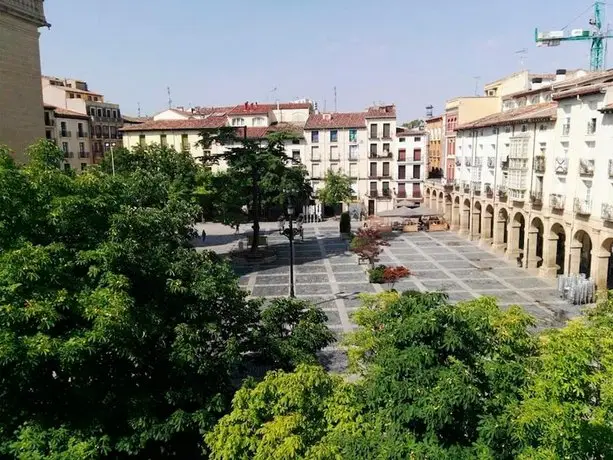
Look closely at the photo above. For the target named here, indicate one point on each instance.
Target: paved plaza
(329, 276)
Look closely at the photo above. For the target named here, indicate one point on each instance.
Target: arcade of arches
(545, 245)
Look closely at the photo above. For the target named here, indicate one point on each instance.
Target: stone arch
(534, 242)
(465, 217)
(581, 254)
(501, 233)
(455, 214)
(517, 235)
(475, 223)
(428, 197)
(558, 255)
(441, 202)
(433, 199)
(487, 223)
(604, 275)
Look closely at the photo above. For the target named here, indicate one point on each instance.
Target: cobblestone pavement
(328, 275)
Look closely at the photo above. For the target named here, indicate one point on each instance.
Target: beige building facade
(21, 103)
(70, 132)
(535, 181)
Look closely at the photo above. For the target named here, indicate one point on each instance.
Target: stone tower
(21, 101)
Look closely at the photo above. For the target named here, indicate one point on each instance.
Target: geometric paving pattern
(329, 276)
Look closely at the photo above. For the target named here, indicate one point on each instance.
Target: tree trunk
(255, 198)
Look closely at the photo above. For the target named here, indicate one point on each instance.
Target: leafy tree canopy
(336, 189)
(117, 338)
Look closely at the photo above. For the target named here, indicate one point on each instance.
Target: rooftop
(546, 111)
(382, 111)
(336, 120)
(178, 125)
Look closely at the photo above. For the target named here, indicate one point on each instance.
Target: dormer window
(238, 121)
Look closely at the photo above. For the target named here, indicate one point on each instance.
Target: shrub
(376, 275)
(345, 223)
(392, 274)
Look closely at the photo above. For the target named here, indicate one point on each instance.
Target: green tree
(414, 124)
(259, 165)
(336, 189)
(117, 338)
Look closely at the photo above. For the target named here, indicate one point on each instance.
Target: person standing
(203, 235)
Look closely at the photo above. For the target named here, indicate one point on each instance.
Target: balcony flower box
(586, 167)
(556, 201)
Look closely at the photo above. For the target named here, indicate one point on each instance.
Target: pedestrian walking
(203, 235)
(237, 229)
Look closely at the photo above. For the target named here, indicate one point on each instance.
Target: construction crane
(596, 34)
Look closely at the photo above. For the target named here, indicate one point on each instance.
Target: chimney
(560, 75)
(246, 104)
(327, 116)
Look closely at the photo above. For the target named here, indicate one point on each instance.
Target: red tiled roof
(336, 120)
(546, 111)
(178, 125)
(258, 132)
(257, 108)
(384, 111)
(59, 112)
(580, 91)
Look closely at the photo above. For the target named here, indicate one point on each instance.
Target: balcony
(491, 162)
(539, 164)
(586, 167)
(556, 201)
(536, 198)
(82, 134)
(380, 156)
(373, 136)
(561, 165)
(458, 162)
(504, 165)
(502, 192)
(591, 129)
(583, 207)
(49, 122)
(607, 212)
(64, 133)
(468, 162)
(565, 130)
(475, 186)
(466, 187)
(488, 190)
(386, 193)
(373, 194)
(402, 194)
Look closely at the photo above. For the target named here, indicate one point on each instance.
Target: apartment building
(69, 130)
(105, 118)
(21, 102)
(434, 131)
(535, 181)
(411, 160)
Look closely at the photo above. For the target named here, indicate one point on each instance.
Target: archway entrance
(487, 225)
(580, 260)
(604, 265)
(534, 251)
(465, 220)
(475, 228)
(448, 206)
(559, 237)
(441, 202)
(428, 198)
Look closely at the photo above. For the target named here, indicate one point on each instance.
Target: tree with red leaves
(368, 244)
(392, 274)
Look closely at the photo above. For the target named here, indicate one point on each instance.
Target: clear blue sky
(412, 53)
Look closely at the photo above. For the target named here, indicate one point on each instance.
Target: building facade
(434, 130)
(105, 118)
(21, 103)
(411, 160)
(70, 132)
(535, 182)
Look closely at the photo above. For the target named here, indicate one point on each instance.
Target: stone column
(464, 220)
(486, 230)
(600, 268)
(513, 242)
(549, 269)
(474, 232)
(530, 258)
(455, 218)
(573, 258)
(448, 207)
(499, 245)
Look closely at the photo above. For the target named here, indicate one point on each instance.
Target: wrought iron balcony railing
(586, 167)
(556, 201)
(583, 207)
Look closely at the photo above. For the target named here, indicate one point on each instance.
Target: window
(118, 113)
(542, 128)
(373, 189)
(373, 131)
(141, 140)
(163, 140)
(353, 153)
(185, 143)
(71, 96)
(258, 121)
(373, 150)
(66, 167)
(238, 121)
(417, 154)
(373, 170)
(92, 111)
(353, 135)
(386, 130)
(65, 147)
(417, 139)
(416, 190)
(80, 129)
(416, 172)
(402, 172)
(105, 132)
(386, 148)
(295, 141)
(386, 188)
(353, 170)
(315, 136)
(333, 135)
(386, 169)
(523, 128)
(315, 171)
(315, 153)
(98, 131)
(83, 166)
(334, 152)
(401, 139)
(402, 191)
(81, 147)
(108, 113)
(63, 128)
(113, 132)
(591, 126)
(99, 112)
(114, 113)
(402, 155)
(296, 156)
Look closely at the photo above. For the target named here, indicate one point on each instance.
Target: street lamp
(290, 233)
(111, 145)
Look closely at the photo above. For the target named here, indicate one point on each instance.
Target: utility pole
(169, 98)
(335, 108)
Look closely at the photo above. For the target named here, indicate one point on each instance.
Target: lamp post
(111, 145)
(289, 233)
